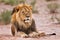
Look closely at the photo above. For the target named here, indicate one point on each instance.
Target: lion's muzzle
(27, 20)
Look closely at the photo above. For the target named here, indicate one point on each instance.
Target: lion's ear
(15, 9)
(30, 7)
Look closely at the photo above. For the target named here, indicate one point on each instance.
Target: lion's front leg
(13, 30)
(22, 34)
(34, 32)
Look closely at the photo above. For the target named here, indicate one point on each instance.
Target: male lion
(23, 24)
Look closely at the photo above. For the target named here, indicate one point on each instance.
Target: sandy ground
(42, 20)
(5, 33)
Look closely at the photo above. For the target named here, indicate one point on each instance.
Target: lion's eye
(22, 11)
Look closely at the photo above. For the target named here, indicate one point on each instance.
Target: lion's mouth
(27, 20)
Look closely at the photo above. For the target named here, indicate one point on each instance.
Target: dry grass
(5, 17)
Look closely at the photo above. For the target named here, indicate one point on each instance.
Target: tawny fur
(22, 23)
(19, 27)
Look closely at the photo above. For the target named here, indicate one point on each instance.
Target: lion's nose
(27, 16)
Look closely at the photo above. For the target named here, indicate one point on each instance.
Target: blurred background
(48, 10)
(45, 12)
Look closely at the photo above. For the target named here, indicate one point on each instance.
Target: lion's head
(23, 14)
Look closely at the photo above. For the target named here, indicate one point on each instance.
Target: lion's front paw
(22, 34)
(34, 34)
(41, 34)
